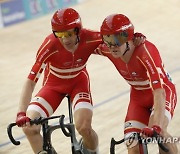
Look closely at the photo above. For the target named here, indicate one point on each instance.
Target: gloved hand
(102, 48)
(21, 119)
(138, 39)
(149, 132)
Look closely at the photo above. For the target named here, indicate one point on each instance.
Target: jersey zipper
(72, 63)
(129, 71)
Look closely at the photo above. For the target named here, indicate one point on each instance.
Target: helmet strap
(54, 34)
(77, 33)
(127, 48)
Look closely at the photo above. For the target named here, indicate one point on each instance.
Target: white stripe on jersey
(40, 71)
(83, 105)
(81, 96)
(160, 72)
(44, 103)
(64, 76)
(142, 88)
(133, 124)
(43, 47)
(152, 60)
(33, 107)
(67, 70)
(141, 83)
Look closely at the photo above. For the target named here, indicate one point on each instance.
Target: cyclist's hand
(149, 132)
(138, 39)
(101, 48)
(21, 119)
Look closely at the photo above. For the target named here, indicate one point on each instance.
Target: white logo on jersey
(155, 82)
(134, 74)
(150, 67)
(33, 73)
(79, 60)
(127, 125)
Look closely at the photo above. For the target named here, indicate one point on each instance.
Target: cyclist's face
(115, 45)
(67, 38)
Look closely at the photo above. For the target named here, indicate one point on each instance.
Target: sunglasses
(110, 44)
(64, 34)
(115, 40)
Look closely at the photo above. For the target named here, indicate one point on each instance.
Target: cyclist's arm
(102, 49)
(159, 106)
(37, 69)
(152, 62)
(26, 95)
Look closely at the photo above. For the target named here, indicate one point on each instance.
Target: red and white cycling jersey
(65, 73)
(61, 64)
(144, 73)
(145, 69)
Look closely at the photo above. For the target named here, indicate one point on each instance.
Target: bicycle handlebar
(9, 130)
(35, 121)
(156, 135)
(64, 126)
(113, 143)
(42, 120)
(161, 145)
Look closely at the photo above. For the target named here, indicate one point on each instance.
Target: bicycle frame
(67, 129)
(75, 146)
(143, 148)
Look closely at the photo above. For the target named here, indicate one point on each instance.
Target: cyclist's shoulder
(146, 48)
(51, 39)
(49, 46)
(147, 45)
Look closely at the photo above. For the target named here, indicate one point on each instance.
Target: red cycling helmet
(65, 19)
(117, 24)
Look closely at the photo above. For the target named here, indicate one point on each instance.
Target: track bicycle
(68, 130)
(143, 142)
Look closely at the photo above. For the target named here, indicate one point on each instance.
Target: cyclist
(62, 56)
(152, 95)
